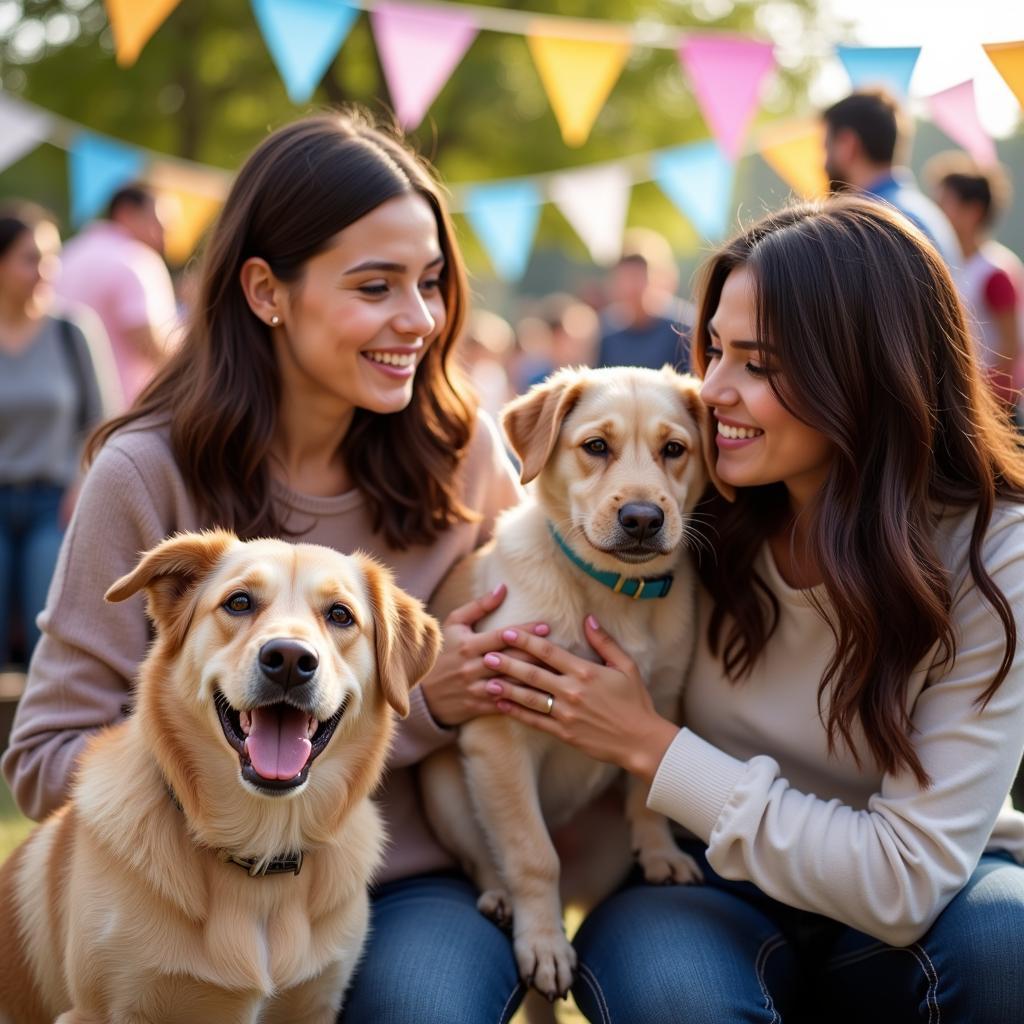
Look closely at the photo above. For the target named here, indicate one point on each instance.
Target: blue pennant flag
(97, 168)
(699, 180)
(303, 37)
(888, 66)
(504, 218)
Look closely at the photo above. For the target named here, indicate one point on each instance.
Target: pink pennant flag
(419, 48)
(956, 113)
(726, 73)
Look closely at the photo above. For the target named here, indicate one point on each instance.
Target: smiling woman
(315, 396)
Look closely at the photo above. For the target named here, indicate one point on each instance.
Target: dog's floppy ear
(532, 421)
(407, 638)
(702, 416)
(172, 570)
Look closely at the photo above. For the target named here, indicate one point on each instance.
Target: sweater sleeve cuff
(693, 783)
(419, 734)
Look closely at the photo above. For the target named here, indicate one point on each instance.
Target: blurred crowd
(83, 328)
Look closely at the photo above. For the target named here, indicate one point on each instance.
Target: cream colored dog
(169, 889)
(620, 458)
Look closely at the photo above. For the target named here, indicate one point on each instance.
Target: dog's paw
(497, 905)
(669, 866)
(547, 961)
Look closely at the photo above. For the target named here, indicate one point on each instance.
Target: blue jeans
(30, 536)
(432, 958)
(724, 953)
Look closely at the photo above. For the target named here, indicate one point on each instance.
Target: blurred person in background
(866, 136)
(50, 397)
(116, 267)
(991, 278)
(485, 349)
(570, 338)
(644, 323)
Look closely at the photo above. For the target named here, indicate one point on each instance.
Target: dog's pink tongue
(277, 744)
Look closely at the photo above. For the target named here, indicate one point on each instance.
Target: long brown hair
(220, 391)
(869, 346)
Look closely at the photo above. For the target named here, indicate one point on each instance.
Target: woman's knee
(973, 949)
(432, 956)
(694, 955)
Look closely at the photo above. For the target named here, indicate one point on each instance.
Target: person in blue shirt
(644, 323)
(865, 134)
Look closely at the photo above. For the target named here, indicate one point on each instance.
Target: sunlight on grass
(13, 827)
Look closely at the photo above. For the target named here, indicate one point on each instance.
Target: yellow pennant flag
(188, 201)
(578, 71)
(796, 152)
(1009, 61)
(133, 22)
(186, 216)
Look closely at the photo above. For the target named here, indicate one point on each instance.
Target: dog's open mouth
(276, 743)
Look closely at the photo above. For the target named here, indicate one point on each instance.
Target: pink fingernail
(492, 660)
(497, 590)
(503, 705)
(541, 629)
(510, 635)
(592, 622)
(495, 687)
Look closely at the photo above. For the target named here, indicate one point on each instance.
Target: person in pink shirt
(116, 267)
(991, 278)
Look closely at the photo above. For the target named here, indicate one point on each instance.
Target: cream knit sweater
(752, 776)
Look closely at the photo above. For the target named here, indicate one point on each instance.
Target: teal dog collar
(637, 587)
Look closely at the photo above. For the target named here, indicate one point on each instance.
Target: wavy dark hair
(220, 390)
(868, 346)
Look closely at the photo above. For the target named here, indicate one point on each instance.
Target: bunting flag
(419, 48)
(699, 180)
(889, 66)
(22, 128)
(595, 202)
(303, 37)
(505, 217)
(577, 73)
(98, 167)
(727, 73)
(955, 111)
(796, 152)
(133, 22)
(1008, 59)
(189, 201)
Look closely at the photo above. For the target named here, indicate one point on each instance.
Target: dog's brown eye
(340, 615)
(596, 446)
(239, 603)
(674, 450)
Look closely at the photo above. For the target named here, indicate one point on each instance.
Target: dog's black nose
(288, 662)
(641, 519)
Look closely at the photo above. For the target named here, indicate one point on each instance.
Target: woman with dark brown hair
(315, 396)
(855, 710)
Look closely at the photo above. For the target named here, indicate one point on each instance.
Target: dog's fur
(122, 906)
(520, 782)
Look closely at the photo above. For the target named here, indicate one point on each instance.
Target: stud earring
(275, 320)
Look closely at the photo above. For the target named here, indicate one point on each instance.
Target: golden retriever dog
(619, 458)
(212, 862)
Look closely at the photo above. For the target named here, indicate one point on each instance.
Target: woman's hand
(605, 711)
(456, 688)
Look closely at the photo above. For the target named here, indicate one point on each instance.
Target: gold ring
(551, 704)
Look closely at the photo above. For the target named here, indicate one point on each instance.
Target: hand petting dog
(604, 711)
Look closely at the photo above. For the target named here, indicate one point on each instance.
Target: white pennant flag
(22, 128)
(595, 202)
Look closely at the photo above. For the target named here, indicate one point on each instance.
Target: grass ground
(13, 827)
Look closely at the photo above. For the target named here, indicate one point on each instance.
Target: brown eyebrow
(751, 346)
(392, 268)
